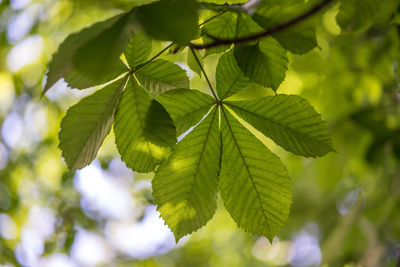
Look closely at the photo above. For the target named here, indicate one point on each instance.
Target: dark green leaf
(298, 39)
(359, 15)
(290, 121)
(138, 49)
(230, 79)
(62, 63)
(186, 107)
(185, 187)
(254, 184)
(144, 132)
(87, 123)
(99, 55)
(173, 20)
(161, 76)
(264, 63)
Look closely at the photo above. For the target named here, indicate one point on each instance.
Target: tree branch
(277, 29)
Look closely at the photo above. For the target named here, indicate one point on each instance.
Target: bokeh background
(346, 205)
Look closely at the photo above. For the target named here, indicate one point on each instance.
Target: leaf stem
(274, 30)
(205, 75)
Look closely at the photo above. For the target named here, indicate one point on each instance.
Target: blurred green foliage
(346, 206)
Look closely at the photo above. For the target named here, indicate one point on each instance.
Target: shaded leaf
(62, 65)
(358, 15)
(230, 79)
(299, 38)
(138, 49)
(264, 63)
(254, 184)
(87, 123)
(290, 121)
(173, 20)
(161, 76)
(186, 107)
(100, 54)
(185, 187)
(144, 132)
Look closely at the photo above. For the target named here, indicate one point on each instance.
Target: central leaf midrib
(201, 156)
(247, 169)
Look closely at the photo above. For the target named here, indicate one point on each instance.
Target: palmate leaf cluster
(149, 103)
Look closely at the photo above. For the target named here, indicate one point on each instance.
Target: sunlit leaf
(138, 49)
(290, 121)
(230, 79)
(254, 184)
(186, 107)
(87, 123)
(144, 132)
(161, 76)
(185, 187)
(192, 62)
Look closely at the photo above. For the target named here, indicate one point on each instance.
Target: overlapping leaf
(91, 56)
(161, 76)
(264, 63)
(186, 107)
(227, 26)
(138, 49)
(144, 132)
(254, 184)
(299, 38)
(192, 61)
(87, 123)
(185, 187)
(230, 79)
(290, 121)
(174, 20)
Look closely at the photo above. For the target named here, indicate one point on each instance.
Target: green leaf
(185, 187)
(144, 132)
(192, 62)
(173, 20)
(186, 107)
(87, 123)
(246, 26)
(63, 66)
(227, 26)
(138, 49)
(253, 183)
(264, 63)
(221, 2)
(230, 79)
(358, 15)
(290, 121)
(223, 27)
(100, 54)
(299, 38)
(161, 76)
